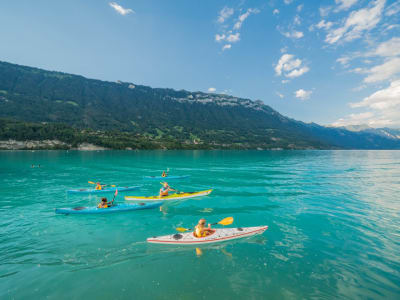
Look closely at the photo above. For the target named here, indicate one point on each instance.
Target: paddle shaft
(188, 229)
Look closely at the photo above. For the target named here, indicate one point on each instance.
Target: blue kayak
(91, 210)
(167, 177)
(104, 190)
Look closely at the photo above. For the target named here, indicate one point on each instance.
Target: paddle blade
(113, 185)
(91, 182)
(116, 193)
(226, 221)
(181, 229)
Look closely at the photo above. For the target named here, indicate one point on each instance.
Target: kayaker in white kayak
(165, 189)
(201, 231)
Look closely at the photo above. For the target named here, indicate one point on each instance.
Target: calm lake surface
(333, 217)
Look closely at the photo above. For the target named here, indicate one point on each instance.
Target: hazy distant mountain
(162, 117)
(390, 133)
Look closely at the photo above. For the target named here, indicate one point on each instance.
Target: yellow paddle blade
(91, 182)
(226, 221)
(181, 229)
(113, 185)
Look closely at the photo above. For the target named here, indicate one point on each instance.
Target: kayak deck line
(177, 239)
(112, 209)
(172, 177)
(171, 197)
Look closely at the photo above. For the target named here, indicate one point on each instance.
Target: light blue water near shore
(333, 216)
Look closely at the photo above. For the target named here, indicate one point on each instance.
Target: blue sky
(331, 62)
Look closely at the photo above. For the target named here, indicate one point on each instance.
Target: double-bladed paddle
(112, 185)
(226, 221)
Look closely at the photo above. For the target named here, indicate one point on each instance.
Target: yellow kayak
(171, 197)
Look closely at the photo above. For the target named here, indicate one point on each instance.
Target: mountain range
(36, 104)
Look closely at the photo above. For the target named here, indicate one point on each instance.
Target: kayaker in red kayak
(165, 189)
(202, 231)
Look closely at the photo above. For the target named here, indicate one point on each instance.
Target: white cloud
(383, 99)
(298, 72)
(344, 4)
(297, 20)
(388, 49)
(354, 119)
(212, 90)
(243, 17)
(324, 25)
(226, 47)
(344, 60)
(384, 71)
(384, 106)
(393, 9)
(293, 34)
(233, 38)
(290, 67)
(390, 27)
(300, 7)
(220, 37)
(324, 11)
(359, 88)
(276, 11)
(280, 95)
(119, 9)
(358, 21)
(287, 2)
(302, 94)
(225, 14)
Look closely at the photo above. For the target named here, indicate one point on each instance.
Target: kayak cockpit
(202, 237)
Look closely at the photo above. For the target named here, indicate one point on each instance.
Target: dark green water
(333, 216)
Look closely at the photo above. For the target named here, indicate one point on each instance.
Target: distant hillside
(163, 117)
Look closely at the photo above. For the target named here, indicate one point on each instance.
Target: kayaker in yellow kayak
(165, 189)
(164, 174)
(201, 231)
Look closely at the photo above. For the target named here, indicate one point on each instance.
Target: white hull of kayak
(220, 235)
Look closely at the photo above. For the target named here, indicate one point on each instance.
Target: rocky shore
(46, 145)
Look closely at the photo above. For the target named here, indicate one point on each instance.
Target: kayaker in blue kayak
(104, 203)
(201, 231)
(165, 189)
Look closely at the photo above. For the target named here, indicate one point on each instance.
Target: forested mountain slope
(163, 118)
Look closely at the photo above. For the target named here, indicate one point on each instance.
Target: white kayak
(219, 235)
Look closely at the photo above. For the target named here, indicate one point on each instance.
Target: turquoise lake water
(333, 217)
